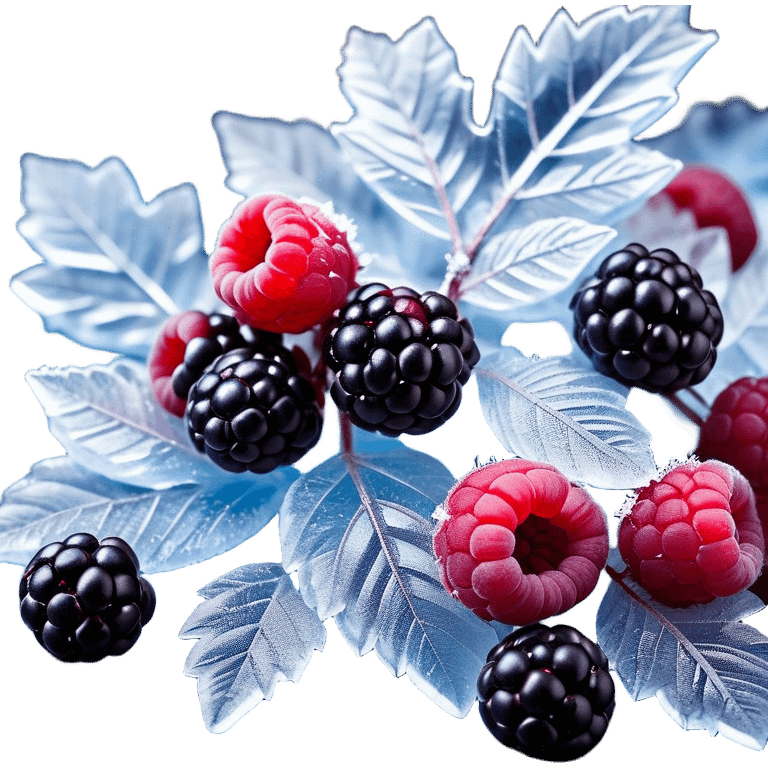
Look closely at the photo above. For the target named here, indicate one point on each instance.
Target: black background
(145, 91)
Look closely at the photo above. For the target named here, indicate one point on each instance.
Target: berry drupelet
(645, 320)
(547, 692)
(400, 359)
(84, 599)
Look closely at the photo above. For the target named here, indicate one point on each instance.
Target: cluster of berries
(694, 534)
(400, 358)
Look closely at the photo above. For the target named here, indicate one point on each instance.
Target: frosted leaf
(358, 529)
(558, 140)
(115, 268)
(731, 137)
(108, 419)
(708, 669)
(561, 413)
(660, 224)
(530, 264)
(301, 159)
(254, 631)
(169, 528)
(298, 159)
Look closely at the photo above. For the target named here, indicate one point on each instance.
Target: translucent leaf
(527, 265)
(707, 668)
(254, 631)
(168, 529)
(558, 141)
(556, 411)
(358, 529)
(301, 159)
(108, 419)
(731, 137)
(660, 224)
(114, 266)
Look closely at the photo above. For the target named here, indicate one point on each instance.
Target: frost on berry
(519, 542)
(736, 430)
(282, 266)
(694, 534)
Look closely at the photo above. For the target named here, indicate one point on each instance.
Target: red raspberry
(736, 430)
(519, 542)
(760, 586)
(716, 201)
(693, 535)
(168, 352)
(282, 266)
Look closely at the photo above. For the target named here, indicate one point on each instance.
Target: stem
(616, 576)
(697, 397)
(686, 410)
(345, 425)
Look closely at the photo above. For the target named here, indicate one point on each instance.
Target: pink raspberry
(168, 353)
(282, 266)
(693, 535)
(519, 542)
(716, 201)
(736, 430)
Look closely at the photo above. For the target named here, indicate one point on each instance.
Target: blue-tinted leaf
(108, 419)
(254, 631)
(556, 411)
(358, 529)
(168, 529)
(731, 137)
(114, 266)
(524, 266)
(558, 141)
(707, 668)
(301, 159)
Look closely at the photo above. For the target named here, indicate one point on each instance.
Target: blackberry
(646, 321)
(547, 692)
(400, 359)
(85, 599)
(224, 334)
(252, 410)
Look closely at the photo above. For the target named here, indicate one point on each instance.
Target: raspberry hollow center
(540, 545)
(520, 542)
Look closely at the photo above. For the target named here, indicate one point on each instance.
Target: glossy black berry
(84, 599)
(546, 692)
(400, 359)
(224, 334)
(252, 410)
(645, 320)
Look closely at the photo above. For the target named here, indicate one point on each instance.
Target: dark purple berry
(85, 600)
(253, 411)
(645, 320)
(400, 359)
(546, 692)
